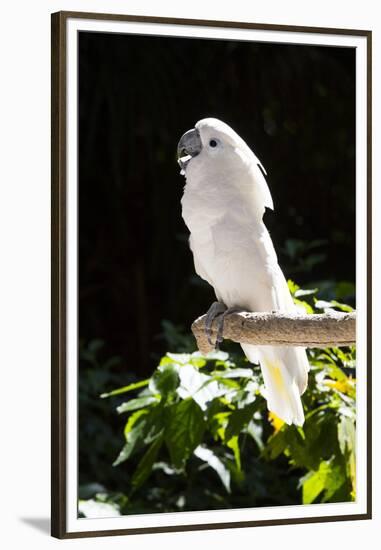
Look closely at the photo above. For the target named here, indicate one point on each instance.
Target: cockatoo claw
(215, 310)
(221, 320)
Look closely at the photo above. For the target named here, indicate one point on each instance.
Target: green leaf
(165, 379)
(124, 389)
(242, 398)
(300, 292)
(255, 430)
(137, 403)
(322, 304)
(145, 465)
(180, 358)
(336, 373)
(233, 444)
(185, 427)
(143, 427)
(306, 306)
(134, 432)
(292, 286)
(136, 418)
(346, 358)
(233, 373)
(218, 355)
(207, 455)
(126, 451)
(298, 448)
(94, 509)
(198, 360)
(165, 361)
(343, 307)
(275, 446)
(155, 423)
(314, 482)
(328, 478)
(346, 432)
(239, 419)
(218, 423)
(201, 387)
(334, 481)
(227, 382)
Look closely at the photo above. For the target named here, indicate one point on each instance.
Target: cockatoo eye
(213, 143)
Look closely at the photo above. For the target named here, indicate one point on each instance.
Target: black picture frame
(59, 272)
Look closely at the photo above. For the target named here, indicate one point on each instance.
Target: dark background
(294, 105)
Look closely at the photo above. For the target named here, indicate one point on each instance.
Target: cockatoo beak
(189, 146)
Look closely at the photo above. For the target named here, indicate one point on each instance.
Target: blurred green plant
(99, 429)
(304, 255)
(198, 434)
(300, 257)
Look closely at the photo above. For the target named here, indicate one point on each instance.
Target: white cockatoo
(224, 200)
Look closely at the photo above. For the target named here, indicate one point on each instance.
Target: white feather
(224, 200)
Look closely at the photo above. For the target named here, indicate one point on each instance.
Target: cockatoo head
(214, 153)
(212, 142)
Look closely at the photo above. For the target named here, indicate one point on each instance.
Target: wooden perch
(281, 329)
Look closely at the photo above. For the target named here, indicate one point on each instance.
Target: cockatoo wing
(200, 267)
(258, 172)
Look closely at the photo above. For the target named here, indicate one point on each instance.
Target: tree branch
(281, 329)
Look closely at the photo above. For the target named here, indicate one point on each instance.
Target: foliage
(198, 434)
(99, 429)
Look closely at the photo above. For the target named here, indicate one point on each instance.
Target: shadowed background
(293, 105)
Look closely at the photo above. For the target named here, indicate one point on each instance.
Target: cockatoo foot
(215, 310)
(218, 311)
(221, 319)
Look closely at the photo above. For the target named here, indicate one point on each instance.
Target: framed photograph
(209, 177)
